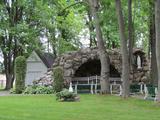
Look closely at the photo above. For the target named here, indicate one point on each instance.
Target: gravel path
(7, 93)
(4, 93)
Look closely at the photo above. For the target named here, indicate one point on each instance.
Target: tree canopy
(59, 26)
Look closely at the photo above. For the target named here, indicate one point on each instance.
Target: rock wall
(71, 61)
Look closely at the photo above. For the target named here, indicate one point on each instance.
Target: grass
(90, 107)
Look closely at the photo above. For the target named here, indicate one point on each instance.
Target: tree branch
(74, 4)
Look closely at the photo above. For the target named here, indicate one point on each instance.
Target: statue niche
(138, 59)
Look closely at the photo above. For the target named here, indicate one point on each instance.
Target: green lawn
(90, 107)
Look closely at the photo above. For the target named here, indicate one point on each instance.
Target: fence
(93, 83)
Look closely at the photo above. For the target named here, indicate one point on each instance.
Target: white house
(37, 65)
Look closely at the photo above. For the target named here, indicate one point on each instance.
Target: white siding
(35, 69)
(2, 80)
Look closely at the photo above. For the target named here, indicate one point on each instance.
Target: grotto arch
(73, 62)
(92, 68)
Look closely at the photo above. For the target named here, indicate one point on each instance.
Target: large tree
(11, 15)
(16, 33)
(124, 51)
(24, 24)
(63, 25)
(152, 43)
(130, 34)
(104, 81)
(157, 24)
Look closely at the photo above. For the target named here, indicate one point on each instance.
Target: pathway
(4, 93)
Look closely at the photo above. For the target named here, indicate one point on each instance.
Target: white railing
(93, 79)
(93, 82)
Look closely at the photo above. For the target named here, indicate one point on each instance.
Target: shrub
(65, 95)
(30, 90)
(44, 90)
(35, 89)
(58, 83)
(20, 73)
(12, 91)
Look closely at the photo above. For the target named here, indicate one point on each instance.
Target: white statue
(70, 87)
(120, 93)
(156, 94)
(139, 62)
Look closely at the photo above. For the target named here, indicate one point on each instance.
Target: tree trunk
(124, 51)
(104, 81)
(91, 30)
(157, 25)
(152, 39)
(9, 75)
(15, 15)
(8, 82)
(130, 32)
(154, 72)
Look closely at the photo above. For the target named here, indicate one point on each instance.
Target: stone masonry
(71, 61)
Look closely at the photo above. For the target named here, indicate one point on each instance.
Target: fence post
(88, 80)
(111, 88)
(145, 91)
(92, 87)
(75, 88)
(120, 87)
(156, 94)
(141, 88)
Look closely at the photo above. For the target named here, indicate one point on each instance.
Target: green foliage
(63, 24)
(30, 90)
(66, 46)
(65, 95)
(58, 83)
(36, 89)
(109, 24)
(12, 91)
(20, 73)
(68, 23)
(1, 68)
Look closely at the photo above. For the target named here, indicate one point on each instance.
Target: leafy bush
(58, 83)
(44, 90)
(30, 90)
(20, 73)
(38, 90)
(12, 91)
(65, 95)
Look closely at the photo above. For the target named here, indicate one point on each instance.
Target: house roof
(47, 58)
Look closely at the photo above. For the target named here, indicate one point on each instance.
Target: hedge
(20, 73)
(58, 83)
